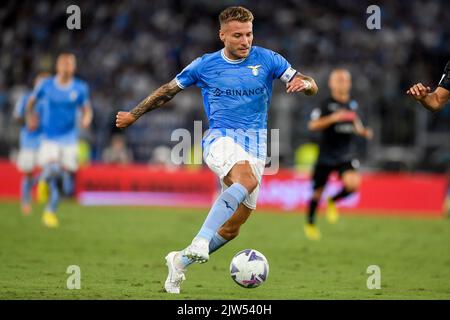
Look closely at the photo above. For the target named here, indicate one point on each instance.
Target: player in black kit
(338, 120)
(437, 99)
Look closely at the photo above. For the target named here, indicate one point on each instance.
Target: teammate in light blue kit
(28, 146)
(65, 96)
(236, 84)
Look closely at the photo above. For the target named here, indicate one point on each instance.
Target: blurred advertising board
(380, 193)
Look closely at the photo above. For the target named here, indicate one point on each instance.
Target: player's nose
(245, 42)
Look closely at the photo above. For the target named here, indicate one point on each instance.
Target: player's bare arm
(87, 116)
(361, 130)
(432, 101)
(302, 83)
(324, 122)
(31, 118)
(154, 101)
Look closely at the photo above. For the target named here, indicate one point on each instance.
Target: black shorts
(323, 171)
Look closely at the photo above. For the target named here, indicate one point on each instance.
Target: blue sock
(67, 183)
(27, 184)
(54, 195)
(224, 207)
(216, 242)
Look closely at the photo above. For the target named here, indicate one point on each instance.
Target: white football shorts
(27, 160)
(64, 154)
(223, 154)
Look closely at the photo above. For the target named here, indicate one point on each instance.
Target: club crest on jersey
(255, 71)
(73, 95)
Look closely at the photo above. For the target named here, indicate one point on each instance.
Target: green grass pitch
(121, 251)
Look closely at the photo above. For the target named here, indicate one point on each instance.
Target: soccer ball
(249, 268)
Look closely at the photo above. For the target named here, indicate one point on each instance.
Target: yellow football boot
(332, 212)
(50, 219)
(42, 192)
(312, 232)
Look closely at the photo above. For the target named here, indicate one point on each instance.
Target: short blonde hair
(240, 14)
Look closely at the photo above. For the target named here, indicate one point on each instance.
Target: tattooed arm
(157, 99)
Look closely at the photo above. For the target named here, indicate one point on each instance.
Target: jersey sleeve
(281, 68)
(39, 90)
(84, 96)
(320, 111)
(40, 104)
(189, 75)
(19, 108)
(445, 79)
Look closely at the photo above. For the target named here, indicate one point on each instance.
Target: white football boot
(175, 276)
(198, 250)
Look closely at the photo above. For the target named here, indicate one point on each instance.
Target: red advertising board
(144, 185)
(9, 180)
(381, 193)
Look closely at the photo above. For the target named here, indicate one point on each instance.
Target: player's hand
(298, 85)
(124, 119)
(32, 122)
(368, 133)
(418, 91)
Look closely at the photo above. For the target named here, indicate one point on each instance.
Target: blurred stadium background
(125, 49)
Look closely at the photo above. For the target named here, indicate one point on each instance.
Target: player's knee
(248, 180)
(243, 175)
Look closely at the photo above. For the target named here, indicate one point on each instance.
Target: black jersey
(445, 79)
(336, 144)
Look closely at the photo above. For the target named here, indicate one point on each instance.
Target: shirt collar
(222, 52)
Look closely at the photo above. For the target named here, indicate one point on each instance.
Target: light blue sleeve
(39, 89)
(19, 108)
(279, 64)
(84, 95)
(190, 75)
(40, 104)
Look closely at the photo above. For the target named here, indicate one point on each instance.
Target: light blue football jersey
(59, 115)
(28, 139)
(236, 95)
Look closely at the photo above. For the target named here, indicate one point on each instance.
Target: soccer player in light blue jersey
(28, 145)
(236, 85)
(65, 96)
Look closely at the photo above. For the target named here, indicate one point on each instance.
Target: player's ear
(222, 35)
